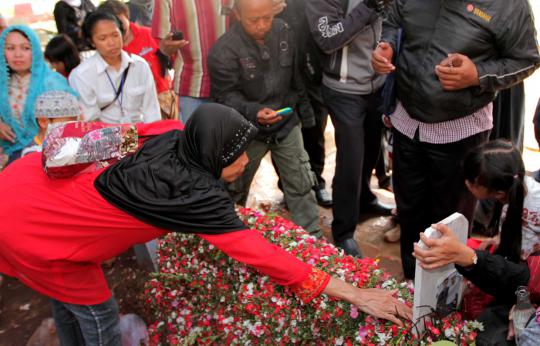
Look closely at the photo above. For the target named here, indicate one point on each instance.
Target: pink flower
(354, 312)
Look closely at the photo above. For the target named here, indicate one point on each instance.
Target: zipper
(333, 60)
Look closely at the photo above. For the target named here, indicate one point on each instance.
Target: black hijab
(173, 183)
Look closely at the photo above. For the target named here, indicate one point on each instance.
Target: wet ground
(369, 233)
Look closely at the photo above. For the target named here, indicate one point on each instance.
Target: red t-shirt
(146, 46)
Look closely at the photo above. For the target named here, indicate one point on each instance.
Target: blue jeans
(87, 325)
(188, 105)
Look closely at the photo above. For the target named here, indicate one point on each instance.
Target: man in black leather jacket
(253, 69)
(454, 57)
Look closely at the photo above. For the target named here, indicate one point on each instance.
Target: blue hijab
(42, 79)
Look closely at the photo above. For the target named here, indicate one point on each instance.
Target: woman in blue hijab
(24, 75)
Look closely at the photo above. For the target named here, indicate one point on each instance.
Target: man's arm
(225, 85)
(161, 19)
(392, 24)
(304, 109)
(331, 28)
(518, 57)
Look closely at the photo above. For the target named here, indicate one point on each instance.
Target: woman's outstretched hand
(373, 301)
(383, 304)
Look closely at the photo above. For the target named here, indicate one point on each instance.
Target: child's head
(491, 170)
(495, 170)
(62, 54)
(56, 106)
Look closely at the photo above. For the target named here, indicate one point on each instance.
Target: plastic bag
(134, 330)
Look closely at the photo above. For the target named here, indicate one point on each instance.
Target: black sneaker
(350, 247)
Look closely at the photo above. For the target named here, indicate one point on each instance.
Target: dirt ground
(22, 310)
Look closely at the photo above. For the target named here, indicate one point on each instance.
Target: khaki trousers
(292, 161)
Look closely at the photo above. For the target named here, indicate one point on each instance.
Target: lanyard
(119, 93)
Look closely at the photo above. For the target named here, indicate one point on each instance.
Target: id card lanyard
(120, 91)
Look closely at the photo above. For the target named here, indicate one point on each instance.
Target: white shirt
(97, 82)
(530, 242)
(530, 220)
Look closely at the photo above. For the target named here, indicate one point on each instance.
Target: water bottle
(522, 311)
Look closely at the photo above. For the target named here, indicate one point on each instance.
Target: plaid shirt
(444, 132)
(202, 22)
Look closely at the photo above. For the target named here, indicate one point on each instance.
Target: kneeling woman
(494, 171)
(56, 233)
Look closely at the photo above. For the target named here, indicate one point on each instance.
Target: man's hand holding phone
(267, 116)
(172, 43)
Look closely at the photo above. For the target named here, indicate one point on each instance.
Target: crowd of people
(248, 77)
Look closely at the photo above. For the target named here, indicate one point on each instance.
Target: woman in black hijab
(67, 227)
(173, 181)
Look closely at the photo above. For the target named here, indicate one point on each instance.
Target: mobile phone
(177, 36)
(284, 111)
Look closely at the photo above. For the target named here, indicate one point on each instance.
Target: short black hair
(61, 48)
(93, 18)
(236, 5)
(115, 7)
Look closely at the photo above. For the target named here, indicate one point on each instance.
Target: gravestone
(439, 289)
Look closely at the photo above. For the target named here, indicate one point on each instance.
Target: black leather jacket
(497, 35)
(248, 77)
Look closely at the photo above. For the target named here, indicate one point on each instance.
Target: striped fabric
(202, 22)
(444, 132)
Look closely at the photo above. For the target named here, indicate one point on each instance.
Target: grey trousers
(292, 161)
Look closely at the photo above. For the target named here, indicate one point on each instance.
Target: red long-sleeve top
(55, 234)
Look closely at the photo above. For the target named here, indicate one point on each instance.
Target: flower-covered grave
(202, 297)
